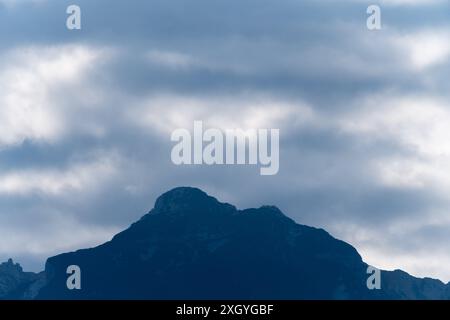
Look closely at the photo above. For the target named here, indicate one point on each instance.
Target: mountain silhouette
(17, 284)
(191, 246)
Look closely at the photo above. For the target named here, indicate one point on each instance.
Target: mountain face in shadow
(191, 246)
(17, 284)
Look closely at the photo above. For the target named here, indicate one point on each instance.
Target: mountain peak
(180, 194)
(10, 266)
(188, 200)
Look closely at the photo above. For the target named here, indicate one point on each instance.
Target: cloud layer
(86, 117)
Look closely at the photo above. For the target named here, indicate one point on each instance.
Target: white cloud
(426, 48)
(421, 125)
(32, 81)
(166, 113)
(418, 121)
(81, 177)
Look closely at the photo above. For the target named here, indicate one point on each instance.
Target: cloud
(415, 247)
(166, 113)
(33, 83)
(86, 117)
(55, 235)
(397, 2)
(12, 3)
(407, 118)
(412, 2)
(426, 49)
(79, 177)
(419, 124)
(170, 59)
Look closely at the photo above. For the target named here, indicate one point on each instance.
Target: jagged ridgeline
(17, 284)
(191, 246)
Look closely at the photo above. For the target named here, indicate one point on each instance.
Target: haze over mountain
(191, 246)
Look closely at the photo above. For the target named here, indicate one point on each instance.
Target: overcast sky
(364, 118)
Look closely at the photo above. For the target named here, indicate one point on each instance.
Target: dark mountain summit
(191, 246)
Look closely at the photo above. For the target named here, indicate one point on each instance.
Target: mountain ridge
(191, 246)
